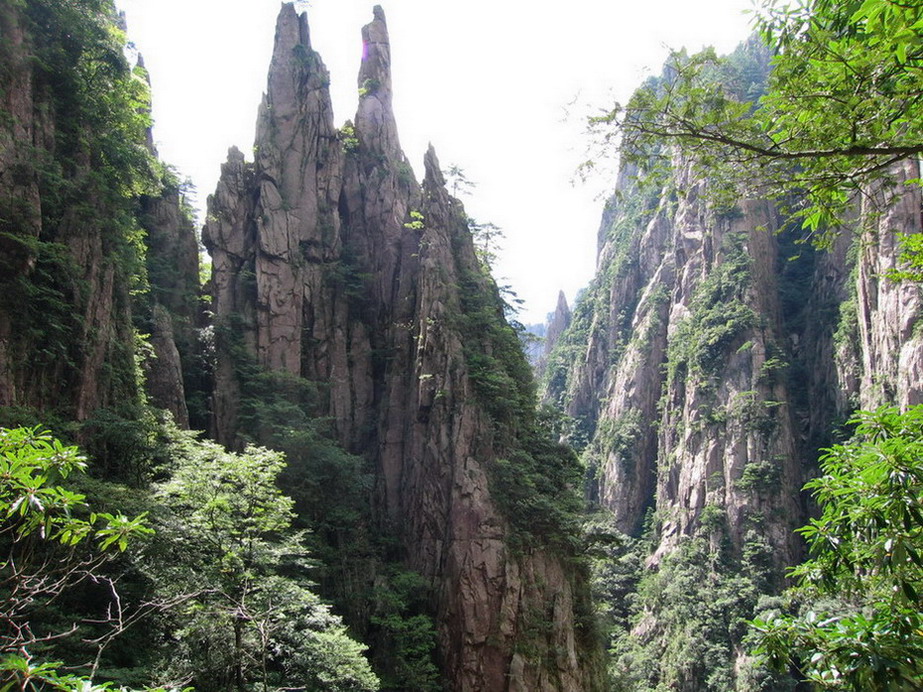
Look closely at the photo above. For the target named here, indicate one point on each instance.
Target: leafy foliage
(405, 632)
(487, 237)
(841, 106)
(24, 676)
(535, 487)
(677, 625)
(248, 614)
(356, 561)
(499, 371)
(48, 548)
(860, 625)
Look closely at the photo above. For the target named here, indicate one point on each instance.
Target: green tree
(860, 625)
(249, 619)
(51, 543)
(458, 181)
(842, 105)
(487, 237)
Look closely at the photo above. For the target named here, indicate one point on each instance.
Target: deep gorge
(444, 518)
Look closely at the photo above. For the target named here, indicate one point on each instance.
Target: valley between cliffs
(443, 518)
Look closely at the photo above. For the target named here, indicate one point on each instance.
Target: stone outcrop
(332, 264)
(71, 258)
(22, 212)
(555, 326)
(174, 312)
(64, 317)
(558, 322)
(80, 283)
(725, 353)
(888, 311)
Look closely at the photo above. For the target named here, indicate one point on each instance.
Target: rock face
(70, 256)
(556, 324)
(175, 316)
(333, 264)
(725, 353)
(890, 346)
(16, 176)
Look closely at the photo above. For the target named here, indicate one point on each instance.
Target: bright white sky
(488, 82)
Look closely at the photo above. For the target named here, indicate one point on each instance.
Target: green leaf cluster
(35, 502)
(840, 107)
(50, 544)
(25, 676)
(859, 625)
(246, 616)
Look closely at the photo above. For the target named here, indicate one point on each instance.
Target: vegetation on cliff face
(81, 180)
(841, 106)
(767, 345)
(97, 245)
(179, 562)
(535, 479)
(76, 160)
(223, 595)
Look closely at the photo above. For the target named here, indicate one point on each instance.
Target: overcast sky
(500, 87)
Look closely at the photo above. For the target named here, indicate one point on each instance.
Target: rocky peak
(555, 325)
(332, 264)
(375, 118)
(560, 320)
(433, 173)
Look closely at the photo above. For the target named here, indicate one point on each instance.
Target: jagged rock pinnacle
(432, 169)
(291, 29)
(375, 119)
(562, 303)
(558, 322)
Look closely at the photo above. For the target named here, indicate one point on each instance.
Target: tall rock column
(332, 264)
(889, 311)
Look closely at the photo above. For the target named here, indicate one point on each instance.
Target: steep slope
(716, 325)
(708, 362)
(75, 161)
(333, 265)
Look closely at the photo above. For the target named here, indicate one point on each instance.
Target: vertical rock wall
(888, 312)
(333, 264)
(726, 353)
(71, 247)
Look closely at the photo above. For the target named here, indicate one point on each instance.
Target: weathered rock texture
(712, 356)
(70, 246)
(555, 326)
(173, 306)
(888, 312)
(333, 264)
(21, 214)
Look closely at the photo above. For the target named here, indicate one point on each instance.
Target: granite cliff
(332, 264)
(721, 344)
(711, 358)
(88, 217)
